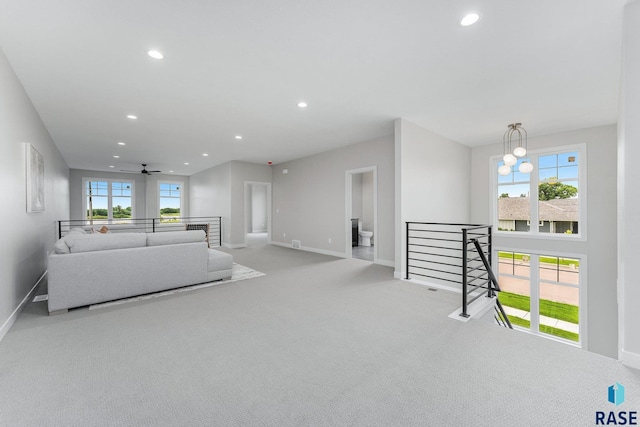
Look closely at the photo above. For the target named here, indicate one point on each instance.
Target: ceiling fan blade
(155, 171)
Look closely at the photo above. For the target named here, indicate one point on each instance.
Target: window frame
(182, 201)
(534, 232)
(109, 182)
(534, 286)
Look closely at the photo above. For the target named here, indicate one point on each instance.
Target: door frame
(348, 185)
(247, 185)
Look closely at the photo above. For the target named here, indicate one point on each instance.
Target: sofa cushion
(103, 242)
(219, 261)
(175, 237)
(60, 247)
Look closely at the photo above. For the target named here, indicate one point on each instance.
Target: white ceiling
(239, 67)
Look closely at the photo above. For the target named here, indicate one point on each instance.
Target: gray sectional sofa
(93, 268)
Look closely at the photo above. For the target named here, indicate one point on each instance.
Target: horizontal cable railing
(212, 225)
(453, 253)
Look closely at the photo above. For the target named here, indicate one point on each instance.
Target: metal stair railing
(500, 315)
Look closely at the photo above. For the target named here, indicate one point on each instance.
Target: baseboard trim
(14, 316)
(629, 359)
(234, 246)
(308, 249)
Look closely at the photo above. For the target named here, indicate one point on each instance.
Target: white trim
(534, 287)
(109, 196)
(246, 211)
(348, 194)
(386, 262)
(629, 359)
(182, 198)
(234, 245)
(533, 183)
(308, 249)
(14, 316)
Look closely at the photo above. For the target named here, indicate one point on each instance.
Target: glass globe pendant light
(516, 136)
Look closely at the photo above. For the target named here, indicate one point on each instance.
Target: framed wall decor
(35, 179)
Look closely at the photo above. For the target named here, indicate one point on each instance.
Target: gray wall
(309, 201)
(432, 181)
(240, 173)
(210, 195)
(600, 247)
(219, 191)
(628, 193)
(27, 236)
(145, 191)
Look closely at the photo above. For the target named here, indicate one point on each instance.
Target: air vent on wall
(295, 244)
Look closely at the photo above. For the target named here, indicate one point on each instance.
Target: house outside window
(170, 201)
(108, 201)
(553, 196)
(541, 293)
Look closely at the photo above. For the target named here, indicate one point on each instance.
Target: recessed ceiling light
(469, 19)
(302, 104)
(170, 171)
(205, 155)
(111, 166)
(238, 136)
(155, 54)
(116, 157)
(121, 143)
(132, 117)
(186, 163)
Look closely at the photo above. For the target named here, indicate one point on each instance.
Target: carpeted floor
(317, 341)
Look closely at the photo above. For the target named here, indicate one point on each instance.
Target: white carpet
(239, 272)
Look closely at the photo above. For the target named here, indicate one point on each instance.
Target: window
(107, 201)
(170, 201)
(552, 196)
(541, 293)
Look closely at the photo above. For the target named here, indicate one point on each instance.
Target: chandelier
(515, 136)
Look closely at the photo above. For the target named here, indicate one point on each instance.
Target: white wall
(27, 236)
(309, 201)
(628, 191)
(600, 247)
(210, 195)
(432, 181)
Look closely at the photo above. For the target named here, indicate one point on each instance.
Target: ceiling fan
(143, 171)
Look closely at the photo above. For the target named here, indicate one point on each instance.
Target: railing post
(220, 232)
(153, 225)
(407, 251)
(490, 293)
(464, 273)
(59, 229)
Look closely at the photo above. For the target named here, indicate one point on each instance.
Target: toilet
(364, 237)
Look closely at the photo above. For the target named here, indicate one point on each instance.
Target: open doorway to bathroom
(257, 213)
(361, 202)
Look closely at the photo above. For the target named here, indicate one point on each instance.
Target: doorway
(361, 189)
(257, 229)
